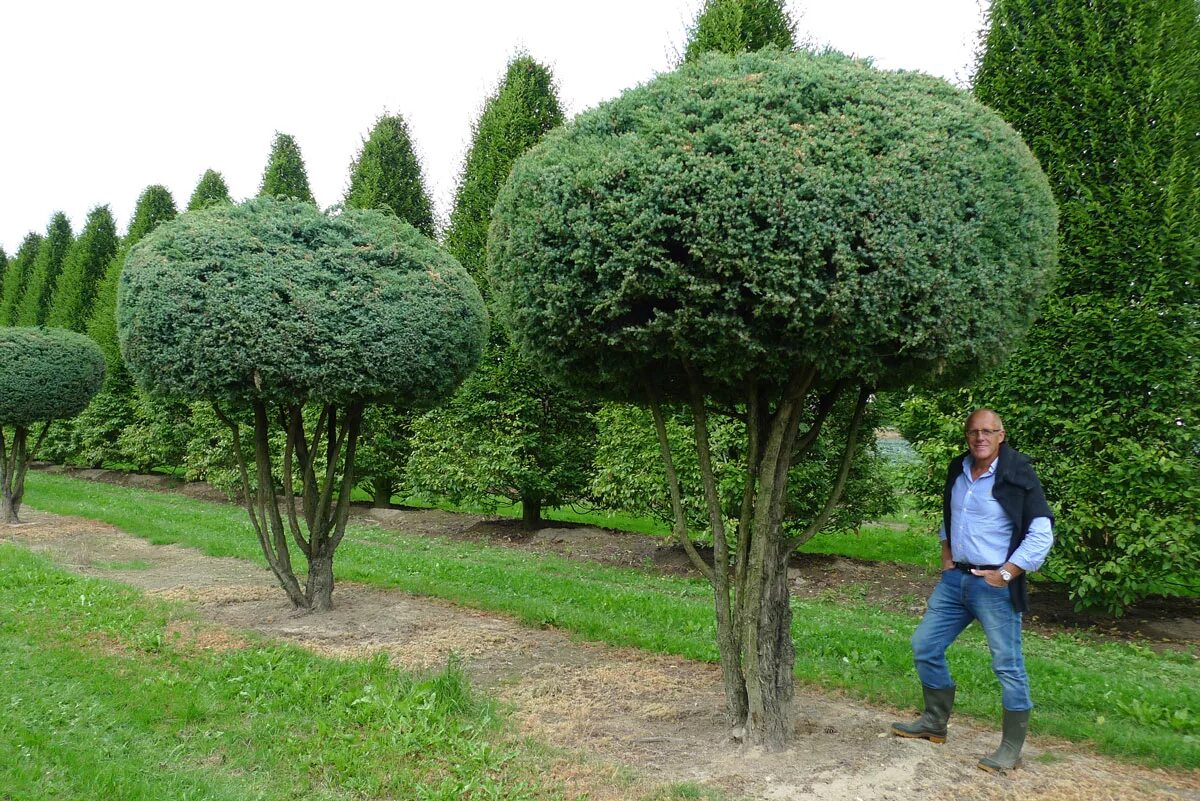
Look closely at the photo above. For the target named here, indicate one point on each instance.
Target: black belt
(967, 567)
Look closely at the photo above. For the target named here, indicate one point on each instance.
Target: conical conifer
(506, 427)
(154, 206)
(35, 299)
(1104, 394)
(514, 119)
(387, 175)
(211, 189)
(16, 275)
(740, 26)
(285, 175)
(82, 271)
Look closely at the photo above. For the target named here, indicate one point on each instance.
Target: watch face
(1004, 574)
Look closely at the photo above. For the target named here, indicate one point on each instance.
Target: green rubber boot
(1008, 755)
(931, 725)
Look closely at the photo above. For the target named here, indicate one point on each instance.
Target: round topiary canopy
(46, 374)
(273, 299)
(743, 216)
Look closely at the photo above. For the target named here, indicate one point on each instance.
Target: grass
(99, 700)
(1125, 700)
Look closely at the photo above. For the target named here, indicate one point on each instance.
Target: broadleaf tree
(720, 239)
(16, 275)
(298, 310)
(49, 374)
(285, 175)
(35, 299)
(1105, 393)
(387, 175)
(82, 271)
(508, 433)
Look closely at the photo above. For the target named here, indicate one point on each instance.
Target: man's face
(984, 436)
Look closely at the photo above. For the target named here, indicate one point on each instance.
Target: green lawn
(1123, 699)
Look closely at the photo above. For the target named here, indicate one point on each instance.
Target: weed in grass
(135, 564)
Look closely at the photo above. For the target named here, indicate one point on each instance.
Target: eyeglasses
(978, 433)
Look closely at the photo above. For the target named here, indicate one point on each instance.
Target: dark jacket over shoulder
(1019, 494)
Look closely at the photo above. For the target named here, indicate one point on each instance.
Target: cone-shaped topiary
(765, 233)
(210, 190)
(16, 276)
(739, 26)
(46, 374)
(82, 271)
(35, 300)
(272, 305)
(387, 175)
(285, 175)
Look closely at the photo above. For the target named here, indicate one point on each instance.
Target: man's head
(985, 432)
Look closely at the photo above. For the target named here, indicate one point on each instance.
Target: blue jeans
(958, 599)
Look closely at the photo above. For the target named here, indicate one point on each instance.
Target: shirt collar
(970, 460)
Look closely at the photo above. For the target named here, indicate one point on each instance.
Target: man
(996, 528)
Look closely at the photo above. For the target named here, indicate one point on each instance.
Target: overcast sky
(98, 100)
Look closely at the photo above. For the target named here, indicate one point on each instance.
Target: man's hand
(992, 577)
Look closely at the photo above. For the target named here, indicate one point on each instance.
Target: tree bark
(319, 588)
(531, 513)
(381, 490)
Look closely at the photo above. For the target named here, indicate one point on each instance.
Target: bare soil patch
(622, 711)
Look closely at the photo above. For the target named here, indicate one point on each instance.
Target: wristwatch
(1004, 574)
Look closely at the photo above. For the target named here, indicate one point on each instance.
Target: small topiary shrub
(299, 320)
(46, 374)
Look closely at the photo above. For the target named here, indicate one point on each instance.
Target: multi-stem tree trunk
(323, 461)
(14, 463)
(753, 604)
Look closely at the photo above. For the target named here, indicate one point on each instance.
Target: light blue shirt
(982, 531)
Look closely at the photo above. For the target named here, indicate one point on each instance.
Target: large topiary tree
(768, 234)
(16, 275)
(210, 190)
(387, 175)
(34, 306)
(1105, 392)
(285, 175)
(507, 433)
(269, 306)
(82, 271)
(47, 374)
(739, 26)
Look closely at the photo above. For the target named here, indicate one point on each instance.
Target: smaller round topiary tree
(46, 374)
(297, 320)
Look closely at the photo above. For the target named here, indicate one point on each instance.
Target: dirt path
(624, 710)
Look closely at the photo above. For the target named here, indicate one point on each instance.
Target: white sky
(100, 99)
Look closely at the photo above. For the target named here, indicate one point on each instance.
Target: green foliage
(1105, 393)
(35, 299)
(739, 26)
(154, 206)
(630, 475)
(506, 433)
(717, 218)
(49, 374)
(82, 271)
(514, 119)
(387, 175)
(299, 306)
(16, 275)
(285, 176)
(209, 191)
(3, 269)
